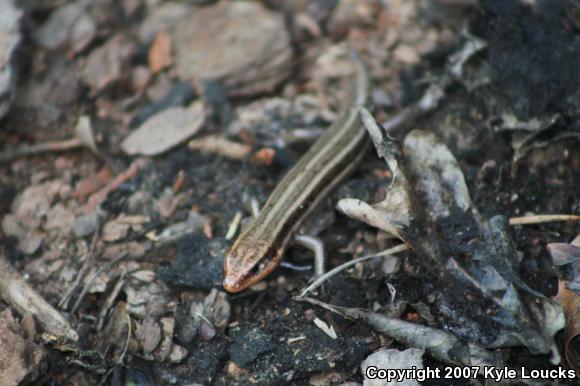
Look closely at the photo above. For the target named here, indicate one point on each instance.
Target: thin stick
(27, 150)
(110, 300)
(340, 268)
(218, 144)
(523, 220)
(15, 291)
(234, 225)
(86, 287)
(63, 304)
(543, 218)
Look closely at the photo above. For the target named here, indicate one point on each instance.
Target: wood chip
(114, 231)
(160, 52)
(107, 64)
(218, 144)
(264, 156)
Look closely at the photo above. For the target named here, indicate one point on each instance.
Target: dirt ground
(117, 209)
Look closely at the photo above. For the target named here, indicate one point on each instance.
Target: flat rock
(241, 44)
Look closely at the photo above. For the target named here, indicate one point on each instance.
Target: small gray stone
(85, 225)
(241, 44)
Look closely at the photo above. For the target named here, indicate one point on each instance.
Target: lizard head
(246, 264)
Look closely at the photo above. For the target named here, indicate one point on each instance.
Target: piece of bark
(218, 144)
(159, 56)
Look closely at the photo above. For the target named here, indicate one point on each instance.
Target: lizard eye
(266, 264)
(258, 268)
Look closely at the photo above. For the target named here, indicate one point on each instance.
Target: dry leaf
(428, 206)
(107, 64)
(114, 230)
(165, 130)
(570, 302)
(393, 359)
(327, 329)
(20, 356)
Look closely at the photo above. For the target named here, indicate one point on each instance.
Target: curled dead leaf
(165, 130)
(570, 302)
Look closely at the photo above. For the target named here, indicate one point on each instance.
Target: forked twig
(342, 267)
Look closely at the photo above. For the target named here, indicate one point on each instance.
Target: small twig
(340, 268)
(543, 218)
(202, 317)
(179, 181)
(17, 293)
(106, 375)
(234, 225)
(127, 341)
(83, 137)
(110, 300)
(92, 279)
(40, 148)
(68, 294)
(218, 144)
(320, 303)
(255, 207)
(437, 343)
(524, 220)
